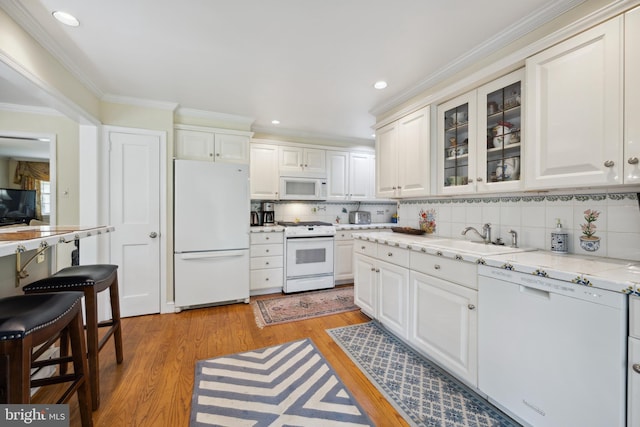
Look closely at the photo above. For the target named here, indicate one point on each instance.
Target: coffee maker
(268, 214)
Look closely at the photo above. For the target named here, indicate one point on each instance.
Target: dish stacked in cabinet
(633, 407)
(267, 263)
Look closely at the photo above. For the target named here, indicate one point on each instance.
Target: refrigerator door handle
(217, 254)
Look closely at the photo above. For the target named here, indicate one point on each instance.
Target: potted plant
(588, 241)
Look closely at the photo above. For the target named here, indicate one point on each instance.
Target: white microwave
(294, 188)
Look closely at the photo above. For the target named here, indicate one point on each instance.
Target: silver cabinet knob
(373, 269)
(217, 154)
(153, 234)
(390, 254)
(471, 307)
(633, 160)
(471, 180)
(437, 266)
(362, 247)
(266, 263)
(636, 368)
(609, 163)
(266, 238)
(266, 279)
(267, 250)
(210, 154)
(377, 270)
(479, 179)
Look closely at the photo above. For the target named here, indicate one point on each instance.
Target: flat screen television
(17, 206)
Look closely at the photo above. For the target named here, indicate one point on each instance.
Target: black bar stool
(91, 280)
(26, 321)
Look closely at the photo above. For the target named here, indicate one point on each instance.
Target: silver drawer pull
(373, 269)
(636, 367)
(377, 270)
(609, 163)
(362, 247)
(389, 254)
(437, 266)
(266, 238)
(266, 263)
(633, 160)
(471, 307)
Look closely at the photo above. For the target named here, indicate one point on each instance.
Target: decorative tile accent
(540, 273)
(581, 281)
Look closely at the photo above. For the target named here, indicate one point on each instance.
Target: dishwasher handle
(534, 292)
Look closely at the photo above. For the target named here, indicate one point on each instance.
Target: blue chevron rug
(285, 385)
(422, 392)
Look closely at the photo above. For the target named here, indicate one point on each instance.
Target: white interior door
(134, 170)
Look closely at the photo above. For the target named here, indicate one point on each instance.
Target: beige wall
(66, 131)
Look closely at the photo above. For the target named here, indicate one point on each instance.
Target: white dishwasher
(552, 353)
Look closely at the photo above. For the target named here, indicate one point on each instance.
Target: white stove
(308, 261)
(308, 229)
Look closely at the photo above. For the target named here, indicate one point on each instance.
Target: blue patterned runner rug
(422, 392)
(285, 385)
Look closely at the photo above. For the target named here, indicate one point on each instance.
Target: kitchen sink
(476, 248)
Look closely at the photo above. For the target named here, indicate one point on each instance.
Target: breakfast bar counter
(15, 240)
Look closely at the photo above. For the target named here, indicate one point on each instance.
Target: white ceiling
(310, 65)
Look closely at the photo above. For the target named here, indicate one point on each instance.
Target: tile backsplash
(534, 218)
(333, 212)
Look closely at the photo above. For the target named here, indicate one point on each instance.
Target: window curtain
(29, 175)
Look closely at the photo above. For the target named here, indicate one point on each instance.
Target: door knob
(633, 160)
(609, 163)
(153, 234)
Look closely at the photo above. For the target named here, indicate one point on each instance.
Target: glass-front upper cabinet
(480, 138)
(500, 129)
(457, 149)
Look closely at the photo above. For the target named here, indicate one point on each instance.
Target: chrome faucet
(514, 238)
(486, 232)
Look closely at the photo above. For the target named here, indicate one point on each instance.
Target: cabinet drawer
(634, 317)
(364, 247)
(261, 238)
(267, 278)
(267, 262)
(267, 250)
(344, 235)
(452, 270)
(393, 255)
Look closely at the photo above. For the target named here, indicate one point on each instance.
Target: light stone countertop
(605, 273)
(26, 238)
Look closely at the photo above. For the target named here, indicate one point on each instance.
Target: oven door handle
(311, 238)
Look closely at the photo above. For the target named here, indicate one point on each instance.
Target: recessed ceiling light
(66, 18)
(275, 122)
(380, 84)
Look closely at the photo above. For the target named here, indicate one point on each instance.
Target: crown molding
(512, 33)
(212, 115)
(270, 132)
(18, 13)
(139, 102)
(29, 109)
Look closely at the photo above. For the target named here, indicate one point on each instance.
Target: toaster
(359, 217)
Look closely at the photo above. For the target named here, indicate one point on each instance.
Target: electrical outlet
(40, 258)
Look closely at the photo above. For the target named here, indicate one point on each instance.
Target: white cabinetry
(350, 175)
(264, 172)
(298, 161)
(479, 138)
(403, 156)
(633, 393)
(267, 263)
(381, 288)
(219, 145)
(632, 100)
(343, 257)
(574, 111)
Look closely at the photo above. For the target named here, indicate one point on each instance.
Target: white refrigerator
(211, 232)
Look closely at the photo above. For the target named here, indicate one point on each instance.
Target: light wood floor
(153, 386)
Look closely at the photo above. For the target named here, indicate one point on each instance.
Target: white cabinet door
(414, 166)
(632, 98)
(365, 284)
(338, 175)
(231, 148)
(343, 260)
(264, 172)
(574, 111)
(361, 175)
(386, 160)
(633, 411)
(194, 145)
(393, 300)
(444, 324)
(297, 161)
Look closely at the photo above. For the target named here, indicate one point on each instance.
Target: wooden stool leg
(79, 350)
(115, 315)
(19, 364)
(91, 305)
